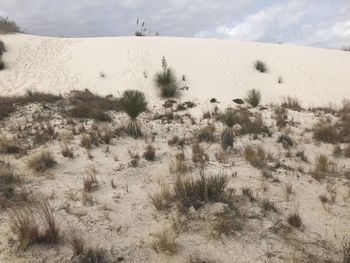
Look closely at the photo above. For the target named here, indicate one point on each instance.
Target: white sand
(214, 68)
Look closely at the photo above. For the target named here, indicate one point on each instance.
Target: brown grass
(77, 243)
(294, 218)
(206, 134)
(178, 163)
(106, 134)
(162, 200)
(325, 132)
(226, 224)
(90, 183)
(85, 141)
(9, 146)
(51, 229)
(199, 259)
(41, 161)
(321, 167)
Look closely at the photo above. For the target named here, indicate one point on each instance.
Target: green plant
(133, 103)
(260, 66)
(166, 82)
(230, 119)
(253, 97)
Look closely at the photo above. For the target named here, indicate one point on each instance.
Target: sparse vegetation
(294, 218)
(164, 242)
(133, 103)
(41, 161)
(325, 132)
(321, 167)
(291, 103)
(256, 158)
(253, 97)
(150, 153)
(206, 134)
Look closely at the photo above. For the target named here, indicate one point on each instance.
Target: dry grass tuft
(291, 103)
(9, 146)
(294, 218)
(85, 141)
(162, 200)
(256, 158)
(325, 132)
(51, 229)
(67, 151)
(198, 154)
(77, 243)
(178, 164)
(322, 167)
(226, 224)
(106, 134)
(42, 161)
(90, 183)
(198, 259)
(150, 153)
(206, 134)
(164, 242)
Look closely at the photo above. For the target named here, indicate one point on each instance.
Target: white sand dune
(214, 68)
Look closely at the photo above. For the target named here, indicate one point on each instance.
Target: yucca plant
(133, 103)
(166, 82)
(253, 97)
(229, 118)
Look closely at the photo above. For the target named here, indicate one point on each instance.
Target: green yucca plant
(230, 119)
(253, 97)
(166, 82)
(133, 103)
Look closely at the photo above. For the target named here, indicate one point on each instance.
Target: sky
(320, 23)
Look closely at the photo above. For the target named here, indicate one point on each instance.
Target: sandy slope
(214, 68)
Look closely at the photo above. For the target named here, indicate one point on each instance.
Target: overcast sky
(323, 23)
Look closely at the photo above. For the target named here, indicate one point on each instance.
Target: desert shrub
(164, 242)
(225, 223)
(229, 118)
(325, 132)
(93, 255)
(251, 124)
(83, 111)
(41, 161)
(150, 153)
(253, 97)
(302, 156)
(77, 243)
(67, 152)
(194, 191)
(8, 26)
(106, 134)
(85, 141)
(337, 151)
(260, 66)
(133, 103)
(166, 82)
(51, 229)
(291, 103)
(285, 140)
(206, 134)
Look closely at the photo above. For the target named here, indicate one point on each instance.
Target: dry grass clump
(226, 223)
(7, 175)
(90, 183)
(198, 154)
(195, 191)
(346, 249)
(291, 103)
(267, 205)
(222, 157)
(67, 152)
(164, 242)
(206, 134)
(162, 200)
(179, 164)
(281, 117)
(302, 156)
(106, 134)
(325, 132)
(322, 167)
(294, 218)
(175, 140)
(251, 123)
(83, 111)
(41, 161)
(77, 243)
(34, 224)
(198, 259)
(9, 146)
(85, 141)
(256, 158)
(248, 192)
(150, 153)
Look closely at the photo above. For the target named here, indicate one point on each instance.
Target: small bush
(42, 161)
(67, 152)
(198, 154)
(106, 134)
(253, 97)
(294, 218)
(51, 229)
(85, 141)
(150, 153)
(83, 111)
(8, 26)
(77, 243)
(337, 151)
(260, 66)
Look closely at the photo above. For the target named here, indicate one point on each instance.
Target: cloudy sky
(322, 23)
